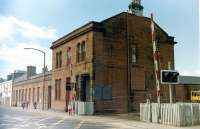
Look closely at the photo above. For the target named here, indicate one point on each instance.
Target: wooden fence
(177, 114)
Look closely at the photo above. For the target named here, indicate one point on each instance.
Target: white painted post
(170, 86)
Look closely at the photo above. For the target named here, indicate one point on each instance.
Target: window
(68, 56)
(19, 95)
(59, 59)
(57, 89)
(29, 97)
(56, 59)
(33, 95)
(16, 95)
(83, 51)
(133, 54)
(38, 94)
(78, 53)
(25, 94)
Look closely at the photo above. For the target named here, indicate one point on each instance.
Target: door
(85, 88)
(49, 97)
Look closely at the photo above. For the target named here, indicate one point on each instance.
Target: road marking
(43, 119)
(60, 121)
(79, 125)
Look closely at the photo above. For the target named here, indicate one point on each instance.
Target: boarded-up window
(103, 92)
(98, 92)
(138, 78)
(107, 93)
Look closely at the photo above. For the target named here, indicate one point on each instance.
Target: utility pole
(170, 85)
(44, 70)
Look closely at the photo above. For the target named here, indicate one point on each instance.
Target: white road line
(79, 125)
(57, 123)
(60, 121)
(43, 119)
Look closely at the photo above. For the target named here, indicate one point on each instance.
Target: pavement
(16, 118)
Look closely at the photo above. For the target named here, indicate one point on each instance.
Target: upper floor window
(68, 56)
(133, 54)
(83, 51)
(78, 52)
(59, 59)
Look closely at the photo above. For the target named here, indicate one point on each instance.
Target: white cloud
(15, 35)
(12, 27)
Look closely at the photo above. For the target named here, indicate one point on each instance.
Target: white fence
(177, 114)
(83, 108)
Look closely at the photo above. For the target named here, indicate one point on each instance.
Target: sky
(37, 23)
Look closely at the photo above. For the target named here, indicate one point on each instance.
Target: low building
(32, 88)
(6, 87)
(186, 86)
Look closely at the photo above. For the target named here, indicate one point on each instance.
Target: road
(17, 119)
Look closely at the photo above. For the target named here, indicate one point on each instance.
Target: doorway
(85, 87)
(49, 96)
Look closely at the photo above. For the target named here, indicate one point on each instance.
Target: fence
(83, 108)
(178, 114)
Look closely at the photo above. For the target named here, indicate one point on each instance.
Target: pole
(128, 63)
(156, 68)
(43, 88)
(170, 86)
(156, 59)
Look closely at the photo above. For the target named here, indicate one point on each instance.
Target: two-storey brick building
(109, 62)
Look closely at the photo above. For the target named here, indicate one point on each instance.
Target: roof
(93, 25)
(189, 80)
(98, 26)
(24, 77)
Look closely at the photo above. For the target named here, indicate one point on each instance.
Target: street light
(43, 73)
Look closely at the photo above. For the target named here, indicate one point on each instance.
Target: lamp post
(43, 73)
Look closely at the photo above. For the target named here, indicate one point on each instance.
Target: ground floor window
(57, 89)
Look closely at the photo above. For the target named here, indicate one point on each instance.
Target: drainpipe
(128, 64)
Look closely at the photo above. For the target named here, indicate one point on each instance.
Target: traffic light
(169, 77)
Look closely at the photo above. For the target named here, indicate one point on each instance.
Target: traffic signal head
(169, 77)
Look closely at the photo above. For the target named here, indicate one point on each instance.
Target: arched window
(83, 50)
(68, 56)
(78, 52)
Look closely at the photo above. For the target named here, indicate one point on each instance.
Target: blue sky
(37, 23)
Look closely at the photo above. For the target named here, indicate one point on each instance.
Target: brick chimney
(31, 71)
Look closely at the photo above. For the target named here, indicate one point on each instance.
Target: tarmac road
(14, 119)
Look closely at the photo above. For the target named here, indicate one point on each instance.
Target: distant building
(187, 84)
(6, 92)
(29, 88)
(6, 86)
(16, 74)
(1, 80)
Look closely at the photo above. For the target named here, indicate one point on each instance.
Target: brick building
(109, 62)
(29, 88)
(187, 84)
